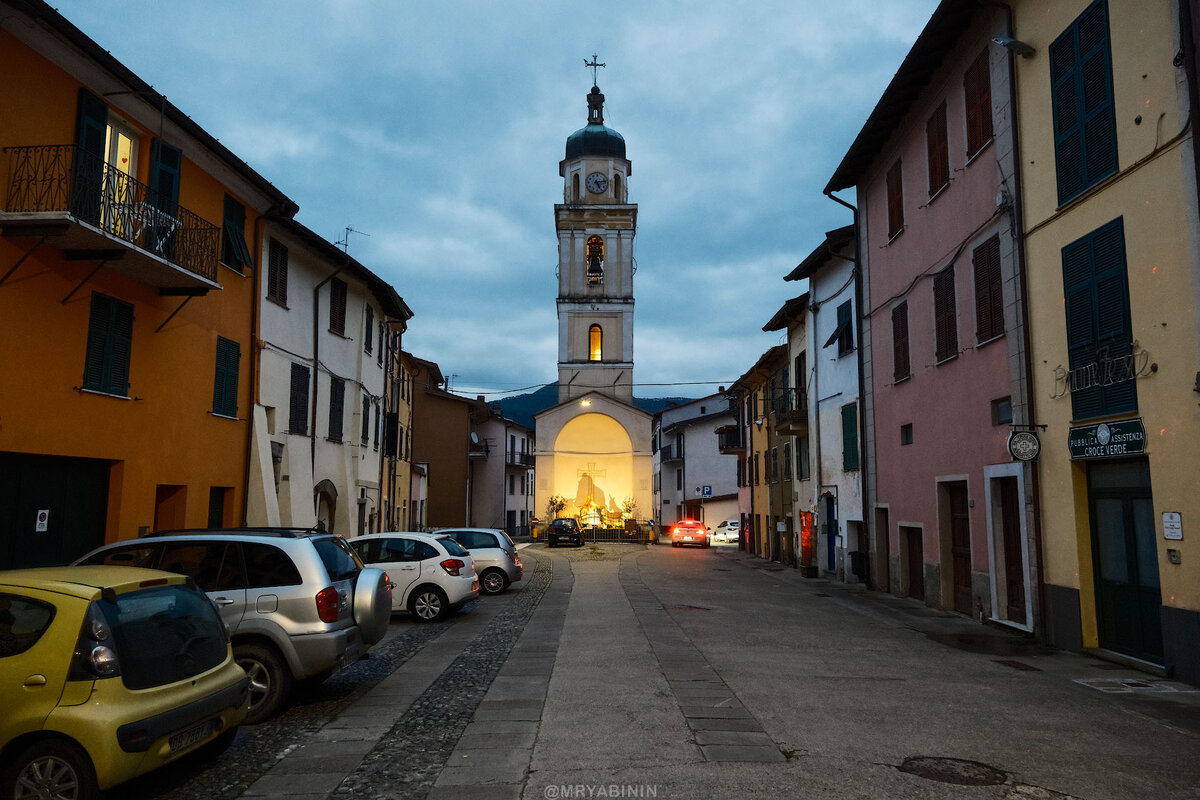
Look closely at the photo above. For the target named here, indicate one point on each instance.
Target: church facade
(594, 446)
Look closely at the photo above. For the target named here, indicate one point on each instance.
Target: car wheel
(270, 680)
(428, 604)
(493, 581)
(51, 768)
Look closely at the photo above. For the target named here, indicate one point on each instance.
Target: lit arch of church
(593, 470)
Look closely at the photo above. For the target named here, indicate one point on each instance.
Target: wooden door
(960, 547)
(1014, 563)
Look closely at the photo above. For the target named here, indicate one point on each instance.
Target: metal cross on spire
(594, 65)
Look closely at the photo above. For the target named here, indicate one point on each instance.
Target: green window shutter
(1099, 325)
(298, 400)
(234, 252)
(337, 399)
(109, 346)
(225, 382)
(91, 127)
(850, 436)
(1085, 133)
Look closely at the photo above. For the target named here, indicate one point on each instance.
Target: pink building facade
(944, 359)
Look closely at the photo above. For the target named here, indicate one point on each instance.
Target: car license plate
(687, 538)
(191, 736)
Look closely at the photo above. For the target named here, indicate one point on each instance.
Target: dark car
(564, 529)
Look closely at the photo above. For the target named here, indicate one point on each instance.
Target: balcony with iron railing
(516, 458)
(669, 452)
(84, 206)
(730, 440)
(790, 409)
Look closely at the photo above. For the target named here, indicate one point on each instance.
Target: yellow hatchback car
(107, 673)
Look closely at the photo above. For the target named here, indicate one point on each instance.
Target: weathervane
(594, 65)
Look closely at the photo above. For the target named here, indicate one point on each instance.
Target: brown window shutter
(977, 88)
(902, 367)
(945, 316)
(895, 200)
(938, 149)
(989, 294)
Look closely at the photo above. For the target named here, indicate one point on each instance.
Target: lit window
(595, 261)
(595, 343)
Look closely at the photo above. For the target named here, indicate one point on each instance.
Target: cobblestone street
(624, 670)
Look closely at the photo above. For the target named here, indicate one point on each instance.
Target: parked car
(107, 673)
(432, 574)
(564, 529)
(299, 603)
(689, 532)
(495, 555)
(726, 531)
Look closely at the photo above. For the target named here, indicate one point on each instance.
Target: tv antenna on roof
(345, 242)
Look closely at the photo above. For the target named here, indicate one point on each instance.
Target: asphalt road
(631, 671)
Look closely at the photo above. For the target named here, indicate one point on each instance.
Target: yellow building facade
(1109, 222)
(127, 300)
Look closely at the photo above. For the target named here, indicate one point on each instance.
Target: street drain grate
(953, 770)
(1008, 662)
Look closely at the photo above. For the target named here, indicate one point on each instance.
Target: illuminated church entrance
(593, 457)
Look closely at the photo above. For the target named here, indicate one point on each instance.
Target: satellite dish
(474, 437)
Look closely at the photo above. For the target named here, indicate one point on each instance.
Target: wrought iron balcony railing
(519, 459)
(669, 452)
(63, 178)
(790, 407)
(730, 440)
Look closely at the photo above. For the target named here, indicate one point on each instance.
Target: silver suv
(299, 604)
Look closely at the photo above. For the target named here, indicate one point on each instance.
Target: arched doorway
(325, 501)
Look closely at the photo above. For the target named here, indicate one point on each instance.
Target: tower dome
(595, 139)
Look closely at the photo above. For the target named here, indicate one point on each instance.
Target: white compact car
(495, 555)
(431, 573)
(726, 531)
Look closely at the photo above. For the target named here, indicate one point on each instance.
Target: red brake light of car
(327, 604)
(153, 582)
(452, 566)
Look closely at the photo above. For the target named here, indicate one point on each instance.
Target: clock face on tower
(596, 182)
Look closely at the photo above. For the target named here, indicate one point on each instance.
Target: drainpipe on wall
(862, 417)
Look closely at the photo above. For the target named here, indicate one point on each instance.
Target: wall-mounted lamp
(1015, 46)
(759, 422)
(585, 403)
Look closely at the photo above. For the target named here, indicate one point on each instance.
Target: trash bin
(858, 564)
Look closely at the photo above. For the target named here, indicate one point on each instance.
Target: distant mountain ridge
(521, 408)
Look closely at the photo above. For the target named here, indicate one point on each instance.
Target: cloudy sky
(436, 128)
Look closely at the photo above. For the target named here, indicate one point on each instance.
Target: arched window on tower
(617, 189)
(595, 343)
(595, 260)
(575, 188)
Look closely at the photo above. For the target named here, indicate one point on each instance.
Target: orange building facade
(127, 302)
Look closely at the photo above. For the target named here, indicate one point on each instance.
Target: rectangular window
(756, 472)
(901, 364)
(802, 463)
(787, 461)
(774, 475)
(109, 346)
(1002, 411)
(277, 271)
(989, 293)
(379, 358)
(369, 331)
(906, 434)
(337, 407)
(337, 306)
(845, 328)
(945, 314)
(366, 420)
(678, 480)
(1081, 84)
(298, 403)
(225, 382)
(895, 200)
(938, 147)
(512, 484)
(850, 436)
(234, 252)
(1099, 324)
(977, 89)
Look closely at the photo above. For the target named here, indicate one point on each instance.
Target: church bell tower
(596, 225)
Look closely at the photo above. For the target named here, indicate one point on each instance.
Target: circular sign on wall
(1024, 445)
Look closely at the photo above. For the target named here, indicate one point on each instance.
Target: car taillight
(95, 652)
(327, 604)
(452, 566)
